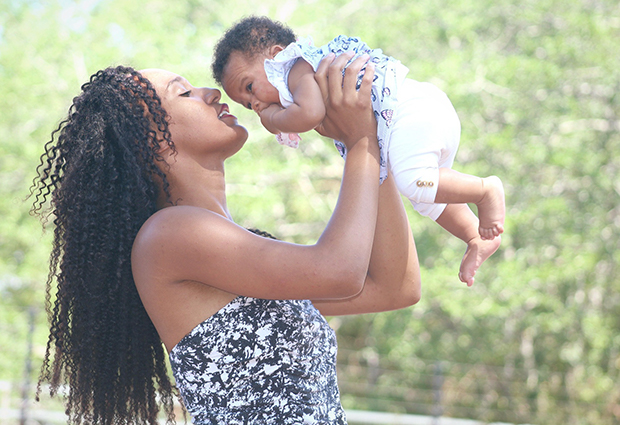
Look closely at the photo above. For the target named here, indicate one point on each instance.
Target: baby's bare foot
(492, 209)
(478, 250)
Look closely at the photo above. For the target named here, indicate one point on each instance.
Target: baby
(261, 65)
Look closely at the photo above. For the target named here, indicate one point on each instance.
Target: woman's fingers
(348, 110)
(320, 76)
(365, 88)
(335, 79)
(351, 74)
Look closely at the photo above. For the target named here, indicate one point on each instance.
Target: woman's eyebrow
(176, 79)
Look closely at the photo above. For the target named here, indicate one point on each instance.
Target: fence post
(437, 392)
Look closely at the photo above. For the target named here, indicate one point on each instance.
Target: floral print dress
(260, 361)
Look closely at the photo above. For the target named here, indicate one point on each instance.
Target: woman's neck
(198, 185)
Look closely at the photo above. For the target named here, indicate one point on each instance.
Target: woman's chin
(240, 140)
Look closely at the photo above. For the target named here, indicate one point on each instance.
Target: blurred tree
(535, 83)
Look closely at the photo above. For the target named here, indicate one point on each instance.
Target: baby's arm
(308, 110)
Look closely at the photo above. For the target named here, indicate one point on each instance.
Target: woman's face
(198, 122)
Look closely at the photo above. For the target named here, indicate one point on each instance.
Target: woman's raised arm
(393, 280)
(393, 276)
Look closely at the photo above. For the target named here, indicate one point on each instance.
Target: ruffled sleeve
(278, 68)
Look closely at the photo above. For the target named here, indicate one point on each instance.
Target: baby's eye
(186, 94)
(249, 106)
(249, 87)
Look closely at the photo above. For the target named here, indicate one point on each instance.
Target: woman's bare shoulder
(181, 222)
(174, 230)
(175, 218)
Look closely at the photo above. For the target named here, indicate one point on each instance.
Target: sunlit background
(535, 83)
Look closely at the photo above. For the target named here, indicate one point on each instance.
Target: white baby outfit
(417, 127)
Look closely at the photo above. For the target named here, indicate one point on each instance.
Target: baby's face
(245, 82)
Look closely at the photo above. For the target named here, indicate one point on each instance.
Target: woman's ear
(274, 50)
(164, 149)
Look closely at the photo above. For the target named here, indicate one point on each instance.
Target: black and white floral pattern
(260, 362)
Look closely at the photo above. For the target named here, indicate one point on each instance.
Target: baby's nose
(257, 105)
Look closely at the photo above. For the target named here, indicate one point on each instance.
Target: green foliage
(535, 84)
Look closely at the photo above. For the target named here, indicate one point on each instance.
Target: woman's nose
(211, 95)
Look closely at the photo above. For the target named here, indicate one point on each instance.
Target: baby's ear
(274, 50)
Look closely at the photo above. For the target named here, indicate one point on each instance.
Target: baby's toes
(486, 233)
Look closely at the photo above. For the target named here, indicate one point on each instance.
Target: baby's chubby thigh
(425, 136)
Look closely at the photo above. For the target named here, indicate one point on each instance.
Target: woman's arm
(393, 277)
(308, 110)
(183, 243)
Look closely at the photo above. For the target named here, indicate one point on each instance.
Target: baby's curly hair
(250, 36)
(99, 173)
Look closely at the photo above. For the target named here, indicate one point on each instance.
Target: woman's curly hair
(100, 175)
(250, 36)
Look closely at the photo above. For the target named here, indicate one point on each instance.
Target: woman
(145, 252)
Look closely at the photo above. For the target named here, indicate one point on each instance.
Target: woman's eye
(186, 94)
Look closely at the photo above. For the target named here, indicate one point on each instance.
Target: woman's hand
(349, 115)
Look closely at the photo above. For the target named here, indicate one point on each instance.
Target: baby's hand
(266, 116)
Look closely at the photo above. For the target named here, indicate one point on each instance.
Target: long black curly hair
(100, 177)
(250, 36)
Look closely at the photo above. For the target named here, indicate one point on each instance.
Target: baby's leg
(460, 221)
(424, 138)
(423, 147)
(487, 193)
